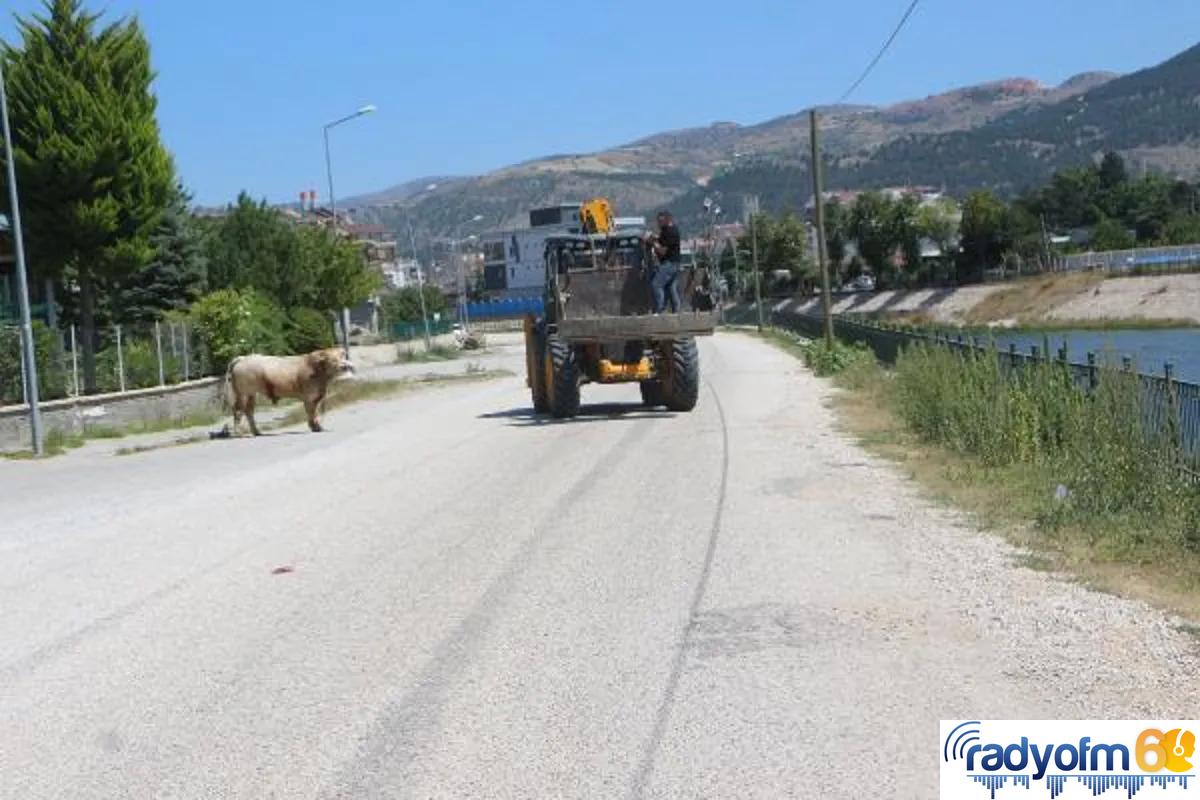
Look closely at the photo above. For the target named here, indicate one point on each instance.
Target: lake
(1149, 348)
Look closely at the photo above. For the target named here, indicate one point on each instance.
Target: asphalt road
(443, 596)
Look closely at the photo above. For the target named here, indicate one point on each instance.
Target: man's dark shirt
(668, 237)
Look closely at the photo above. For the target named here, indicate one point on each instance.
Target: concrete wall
(75, 416)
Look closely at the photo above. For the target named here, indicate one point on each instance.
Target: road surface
(443, 596)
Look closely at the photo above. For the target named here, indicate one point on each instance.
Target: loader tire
(652, 393)
(683, 379)
(539, 388)
(562, 378)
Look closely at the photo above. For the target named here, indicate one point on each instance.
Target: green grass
(1123, 483)
(821, 359)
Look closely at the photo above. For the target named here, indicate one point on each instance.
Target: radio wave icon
(955, 746)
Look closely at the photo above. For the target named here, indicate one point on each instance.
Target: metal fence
(1169, 407)
(1145, 260)
(128, 357)
(407, 331)
(508, 308)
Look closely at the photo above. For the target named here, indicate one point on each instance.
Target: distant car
(863, 283)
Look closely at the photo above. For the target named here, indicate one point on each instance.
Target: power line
(875, 61)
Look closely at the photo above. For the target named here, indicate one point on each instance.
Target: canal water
(1150, 349)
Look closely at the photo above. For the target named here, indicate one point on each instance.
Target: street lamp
(14, 225)
(368, 109)
(412, 239)
(462, 278)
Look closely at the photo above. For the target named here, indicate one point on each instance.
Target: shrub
(825, 360)
(52, 378)
(308, 330)
(234, 322)
(404, 305)
(1121, 475)
(141, 365)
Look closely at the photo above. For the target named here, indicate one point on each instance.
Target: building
(847, 197)
(378, 245)
(8, 281)
(514, 260)
(401, 273)
(42, 305)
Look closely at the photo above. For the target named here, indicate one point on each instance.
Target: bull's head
(331, 364)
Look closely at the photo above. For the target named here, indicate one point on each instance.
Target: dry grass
(345, 393)
(1029, 301)
(439, 352)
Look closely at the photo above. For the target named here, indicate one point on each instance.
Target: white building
(401, 273)
(514, 260)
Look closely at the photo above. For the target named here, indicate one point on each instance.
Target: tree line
(106, 218)
(906, 241)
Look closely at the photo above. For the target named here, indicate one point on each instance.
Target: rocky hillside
(1152, 117)
(1006, 134)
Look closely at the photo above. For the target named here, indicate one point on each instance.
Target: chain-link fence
(127, 357)
(1144, 260)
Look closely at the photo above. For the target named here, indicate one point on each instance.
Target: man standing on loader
(664, 281)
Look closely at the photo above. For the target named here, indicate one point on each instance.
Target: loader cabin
(591, 275)
(596, 275)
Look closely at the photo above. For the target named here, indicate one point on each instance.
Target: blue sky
(465, 86)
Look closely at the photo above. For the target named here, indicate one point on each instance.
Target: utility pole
(754, 254)
(819, 195)
(29, 359)
(333, 206)
(462, 286)
(737, 271)
(1046, 246)
(412, 240)
(345, 312)
(462, 276)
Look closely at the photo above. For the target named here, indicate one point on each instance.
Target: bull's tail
(227, 395)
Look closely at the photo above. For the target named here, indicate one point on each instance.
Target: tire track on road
(400, 734)
(663, 716)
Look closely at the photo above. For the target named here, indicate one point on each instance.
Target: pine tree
(95, 178)
(176, 275)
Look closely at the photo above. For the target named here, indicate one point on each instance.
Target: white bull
(305, 378)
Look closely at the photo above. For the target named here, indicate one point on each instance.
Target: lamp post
(27, 351)
(412, 240)
(368, 109)
(462, 277)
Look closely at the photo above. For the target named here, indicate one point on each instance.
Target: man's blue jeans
(664, 284)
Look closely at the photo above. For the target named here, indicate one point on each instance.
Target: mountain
(1008, 134)
(1152, 117)
(405, 192)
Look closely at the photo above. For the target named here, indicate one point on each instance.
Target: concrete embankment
(1077, 297)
